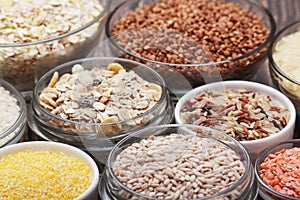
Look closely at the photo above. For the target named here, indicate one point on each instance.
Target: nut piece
(115, 67)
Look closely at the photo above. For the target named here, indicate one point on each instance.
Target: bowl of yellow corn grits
(47, 170)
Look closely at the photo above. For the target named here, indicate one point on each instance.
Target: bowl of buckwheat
(13, 114)
(39, 35)
(193, 42)
(178, 161)
(254, 114)
(92, 103)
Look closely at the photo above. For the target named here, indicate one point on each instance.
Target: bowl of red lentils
(13, 114)
(47, 170)
(39, 35)
(192, 42)
(255, 114)
(277, 170)
(178, 161)
(284, 62)
(92, 103)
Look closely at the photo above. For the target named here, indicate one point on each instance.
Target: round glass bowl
(83, 170)
(190, 43)
(13, 114)
(280, 158)
(98, 129)
(255, 114)
(284, 62)
(29, 51)
(178, 162)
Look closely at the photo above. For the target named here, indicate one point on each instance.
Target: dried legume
(178, 167)
(30, 21)
(281, 171)
(193, 31)
(100, 95)
(242, 114)
(42, 175)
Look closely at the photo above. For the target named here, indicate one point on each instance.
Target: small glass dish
(24, 59)
(174, 150)
(158, 51)
(284, 62)
(15, 132)
(97, 136)
(267, 192)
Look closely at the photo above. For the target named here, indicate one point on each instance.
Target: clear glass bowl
(190, 75)
(17, 130)
(97, 137)
(265, 191)
(283, 81)
(22, 64)
(112, 188)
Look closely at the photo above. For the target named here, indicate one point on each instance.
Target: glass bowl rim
(260, 159)
(272, 46)
(257, 49)
(248, 166)
(53, 116)
(50, 39)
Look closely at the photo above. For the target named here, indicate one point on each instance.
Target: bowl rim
(248, 165)
(272, 63)
(259, 87)
(101, 14)
(260, 159)
(35, 101)
(22, 105)
(58, 147)
(257, 49)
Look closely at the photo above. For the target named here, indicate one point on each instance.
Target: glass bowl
(29, 51)
(237, 117)
(284, 62)
(205, 47)
(161, 162)
(96, 135)
(280, 149)
(13, 115)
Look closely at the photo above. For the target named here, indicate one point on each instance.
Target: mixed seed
(178, 167)
(100, 95)
(242, 114)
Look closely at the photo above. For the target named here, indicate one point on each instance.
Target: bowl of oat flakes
(39, 35)
(255, 114)
(92, 103)
(13, 114)
(284, 61)
(193, 42)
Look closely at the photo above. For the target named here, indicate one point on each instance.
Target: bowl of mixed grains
(92, 103)
(47, 170)
(39, 35)
(13, 114)
(193, 42)
(254, 114)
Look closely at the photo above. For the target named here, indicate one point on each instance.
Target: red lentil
(281, 171)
